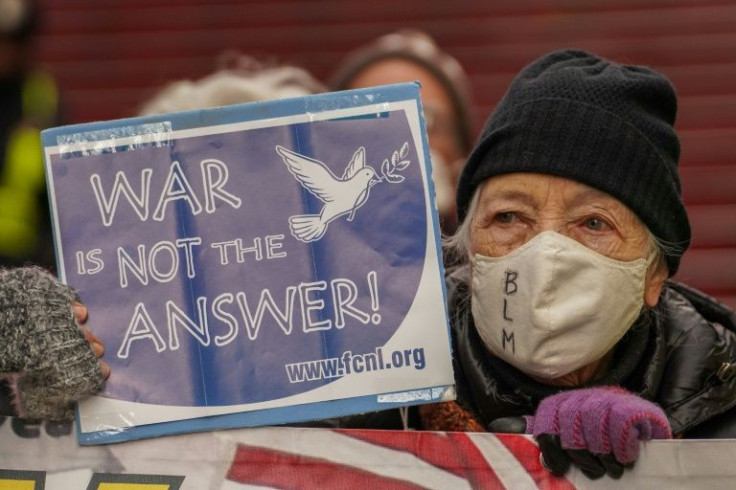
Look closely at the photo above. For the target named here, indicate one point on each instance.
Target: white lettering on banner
(152, 264)
(225, 317)
(108, 206)
(213, 187)
(89, 262)
(161, 261)
(310, 305)
(176, 188)
(345, 293)
(238, 250)
(253, 322)
(199, 330)
(141, 327)
(236, 311)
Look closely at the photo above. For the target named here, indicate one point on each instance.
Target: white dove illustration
(340, 195)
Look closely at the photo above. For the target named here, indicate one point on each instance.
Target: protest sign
(254, 264)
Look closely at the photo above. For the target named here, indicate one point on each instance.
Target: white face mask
(553, 305)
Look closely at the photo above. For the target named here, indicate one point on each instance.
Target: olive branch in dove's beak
(398, 163)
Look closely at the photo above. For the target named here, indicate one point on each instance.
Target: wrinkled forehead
(543, 192)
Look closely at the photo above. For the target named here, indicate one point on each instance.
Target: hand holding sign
(50, 363)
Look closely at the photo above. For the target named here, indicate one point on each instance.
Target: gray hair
(457, 245)
(246, 81)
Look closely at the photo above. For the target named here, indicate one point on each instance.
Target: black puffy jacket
(681, 355)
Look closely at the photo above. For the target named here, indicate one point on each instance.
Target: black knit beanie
(572, 114)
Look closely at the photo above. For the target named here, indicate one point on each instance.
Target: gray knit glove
(42, 349)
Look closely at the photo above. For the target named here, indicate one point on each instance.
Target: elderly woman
(571, 223)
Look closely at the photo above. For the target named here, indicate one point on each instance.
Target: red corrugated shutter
(109, 56)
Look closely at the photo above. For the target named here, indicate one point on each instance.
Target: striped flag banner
(390, 459)
(41, 457)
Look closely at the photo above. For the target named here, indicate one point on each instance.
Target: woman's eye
(505, 218)
(596, 224)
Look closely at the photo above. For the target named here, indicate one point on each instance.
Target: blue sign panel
(254, 264)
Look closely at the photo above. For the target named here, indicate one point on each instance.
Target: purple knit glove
(602, 420)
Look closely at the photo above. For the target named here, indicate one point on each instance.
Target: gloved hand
(49, 360)
(598, 429)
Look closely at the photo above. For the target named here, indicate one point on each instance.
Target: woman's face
(513, 208)
(516, 207)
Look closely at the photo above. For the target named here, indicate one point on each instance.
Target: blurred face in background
(447, 155)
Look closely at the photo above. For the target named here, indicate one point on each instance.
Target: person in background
(406, 56)
(564, 321)
(240, 79)
(28, 104)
